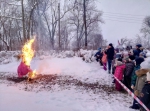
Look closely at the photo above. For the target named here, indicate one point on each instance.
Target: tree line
(56, 24)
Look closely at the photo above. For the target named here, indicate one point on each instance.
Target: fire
(32, 74)
(28, 54)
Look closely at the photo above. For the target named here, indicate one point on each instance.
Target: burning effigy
(26, 58)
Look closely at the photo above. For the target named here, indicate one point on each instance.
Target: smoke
(43, 65)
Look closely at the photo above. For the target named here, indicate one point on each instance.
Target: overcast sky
(123, 18)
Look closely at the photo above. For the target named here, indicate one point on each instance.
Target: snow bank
(87, 55)
(7, 57)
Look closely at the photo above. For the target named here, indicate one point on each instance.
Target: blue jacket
(98, 54)
(137, 53)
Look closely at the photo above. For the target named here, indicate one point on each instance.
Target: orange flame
(28, 54)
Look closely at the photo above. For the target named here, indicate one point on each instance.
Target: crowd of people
(128, 66)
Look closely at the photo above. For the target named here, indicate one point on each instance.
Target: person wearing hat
(110, 56)
(137, 51)
(139, 59)
(137, 79)
(99, 56)
(145, 95)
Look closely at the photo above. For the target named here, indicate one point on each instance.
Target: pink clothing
(104, 58)
(119, 71)
(118, 86)
(23, 69)
(105, 66)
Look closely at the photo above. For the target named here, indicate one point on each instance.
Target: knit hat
(145, 64)
(111, 44)
(148, 76)
(132, 57)
(99, 49)
(139, 45)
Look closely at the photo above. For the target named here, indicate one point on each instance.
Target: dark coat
(110, 53)
(137, 52)
(99, 54)
(129, 68)
(145, 96)
(139, 60)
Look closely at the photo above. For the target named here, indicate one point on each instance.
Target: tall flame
(28, 52)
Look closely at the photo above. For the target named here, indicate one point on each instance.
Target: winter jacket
(129, 68)
(119, 71)
(23, 69)
(104, 58)
(141, 79)
(139, 60)
(110, 53)
(98, 54)
(145, 96)
(137, 52)
(134, 76)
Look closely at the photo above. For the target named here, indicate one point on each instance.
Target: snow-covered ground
(13, 97)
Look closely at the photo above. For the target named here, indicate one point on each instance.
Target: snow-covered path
(13, 98)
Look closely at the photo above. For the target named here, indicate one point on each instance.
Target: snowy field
(91, 91)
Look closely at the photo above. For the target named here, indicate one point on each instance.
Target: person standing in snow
(110, 56)
(138, 61)
(99, 56)
(128, 72)
(137, 51)
(141, 79)
(119, 74)
(104, 60)
(145, 94)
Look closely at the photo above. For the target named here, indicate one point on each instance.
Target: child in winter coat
(128, 72)
(119, 74)
(99, 56)
(104, 60)
(145, 95)
(138, 61)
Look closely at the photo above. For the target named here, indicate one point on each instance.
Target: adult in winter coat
(141, 79)
(134, 83)
(110, 56)
(99, 56)
(137, 51)
(119, 74)
(145, 95)
(128, 72)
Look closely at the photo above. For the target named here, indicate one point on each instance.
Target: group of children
(129, 68)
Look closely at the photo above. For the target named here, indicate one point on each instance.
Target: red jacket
(119, 71)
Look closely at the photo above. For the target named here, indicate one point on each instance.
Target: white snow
(13, 98)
